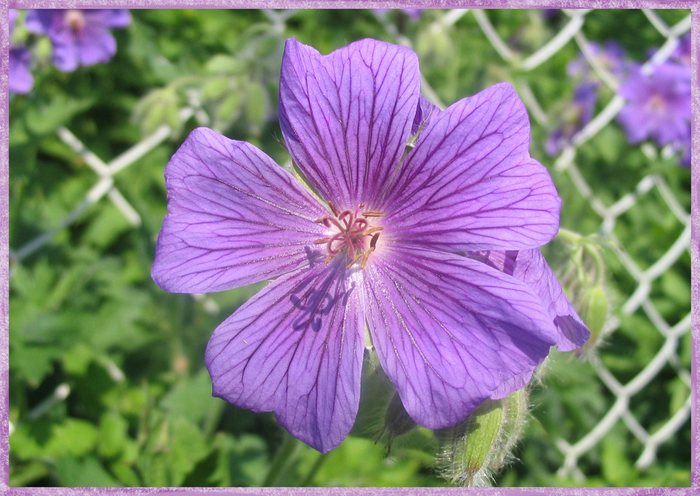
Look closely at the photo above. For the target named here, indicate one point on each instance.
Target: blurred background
(107, 383)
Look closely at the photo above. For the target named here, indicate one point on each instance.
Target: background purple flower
(21, 80)
(658, 104)
(79, 37)
(413, 14)
(610, 56)
(386, 248)
(575, 116)
(682, 53)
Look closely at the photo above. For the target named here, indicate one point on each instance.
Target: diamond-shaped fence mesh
(651, 187)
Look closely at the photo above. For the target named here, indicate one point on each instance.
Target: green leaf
(223, 64)
(191, 398)
(215, 88)
(73, 437)
(614, 460)
(46, 118)
(87, 472)
(113, 435)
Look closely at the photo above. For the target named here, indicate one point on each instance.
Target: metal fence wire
(639, 301)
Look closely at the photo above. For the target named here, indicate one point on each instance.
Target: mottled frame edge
(350, 4)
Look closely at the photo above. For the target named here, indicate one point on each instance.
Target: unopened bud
(396, 420)
(594, 312)
(477, 448)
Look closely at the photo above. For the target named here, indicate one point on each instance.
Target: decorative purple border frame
(693, 5)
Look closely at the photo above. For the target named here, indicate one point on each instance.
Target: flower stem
(280, 461)
(569, 236)
(313, 470)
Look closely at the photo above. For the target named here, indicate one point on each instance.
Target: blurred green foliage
(107, 384)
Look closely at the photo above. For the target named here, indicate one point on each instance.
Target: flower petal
(346, 117)
(451, 332)
(470, 183)
(38, 21)
(424, 113)
(111, 18)
(530, 267)
(21, 79)
(234, 218)
(96, 45)
(66, 50)
(295, 349)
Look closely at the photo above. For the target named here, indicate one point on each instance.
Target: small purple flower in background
(658, 105)
(682, 53)
(575, 116)
(682, 56)
(21, 80)
(79, 37)
(610, 56)
(549, 14)
(413, 14)
(432, 247)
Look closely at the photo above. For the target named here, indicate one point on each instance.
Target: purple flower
(386, 244)
(610, 56)
(21, 80)
(658, 104)
(576, 115)
(549, 14)
(682, 53)
(79, 37)
(413, 14)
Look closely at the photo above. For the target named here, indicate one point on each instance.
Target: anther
(372, 213)
(333, 209)
(349, 232)
(373, 242)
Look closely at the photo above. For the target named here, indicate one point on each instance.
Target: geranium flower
(609, 55)
(21, 80)
(682, 52)
(79, 37)
(413, 14)
(382, 253)
(658, 104)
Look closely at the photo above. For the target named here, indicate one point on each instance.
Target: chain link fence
(639, 301)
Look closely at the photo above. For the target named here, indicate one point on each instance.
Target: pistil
(354, 236)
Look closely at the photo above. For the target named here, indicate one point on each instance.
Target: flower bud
(396, 420)
(594, 312)
(474, 450)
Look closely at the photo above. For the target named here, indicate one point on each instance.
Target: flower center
(351, 234)
(75, 20)
(657, 102)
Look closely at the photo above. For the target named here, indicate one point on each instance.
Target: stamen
(373, 242)
(373, 213)
(333, 209)
(352, 228)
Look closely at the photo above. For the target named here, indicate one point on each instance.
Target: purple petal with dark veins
(346, 117)
(530, 267)
(451, 332)
(470, 183)
(295, 349)
(424, 113)
(234, 218)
